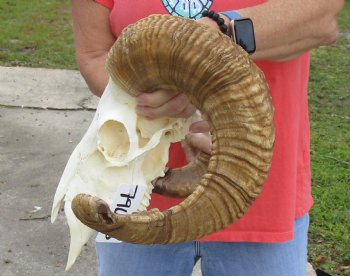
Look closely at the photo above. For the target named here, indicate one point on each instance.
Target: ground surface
(43, 115)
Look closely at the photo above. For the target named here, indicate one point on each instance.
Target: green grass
(329, 95)
(38, 33)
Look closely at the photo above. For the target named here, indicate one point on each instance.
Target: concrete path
(43, 115)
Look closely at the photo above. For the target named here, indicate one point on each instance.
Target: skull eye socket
(113, 140)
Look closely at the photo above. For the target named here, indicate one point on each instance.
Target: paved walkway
(43, 115)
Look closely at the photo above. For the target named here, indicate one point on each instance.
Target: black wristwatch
(242, 31)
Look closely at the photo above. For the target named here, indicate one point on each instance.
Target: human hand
(163, 103)
(194, 143)
(197, 140)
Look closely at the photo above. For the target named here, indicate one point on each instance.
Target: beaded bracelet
(219, 20)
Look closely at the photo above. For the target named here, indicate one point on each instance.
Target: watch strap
(232, 15)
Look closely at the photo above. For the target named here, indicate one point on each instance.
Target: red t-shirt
(286, 194)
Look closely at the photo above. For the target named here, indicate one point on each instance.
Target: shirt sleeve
(107, 3)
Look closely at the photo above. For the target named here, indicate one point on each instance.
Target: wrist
(241, 30)
(218, 20)
(231, 15)
(226, 19)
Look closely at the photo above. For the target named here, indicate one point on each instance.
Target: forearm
(94, 72)
(92, 40)
(286, 29)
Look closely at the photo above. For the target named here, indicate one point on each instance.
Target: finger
(190, 153)
(199, 141)
(200, 126)
(156, 98)
(175, 108)
(187, 112)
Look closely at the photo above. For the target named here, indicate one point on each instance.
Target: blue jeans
(217, 258)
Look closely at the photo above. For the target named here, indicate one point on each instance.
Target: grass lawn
(38, 33)
(329, 95)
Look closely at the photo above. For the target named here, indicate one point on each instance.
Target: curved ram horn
(164, 52)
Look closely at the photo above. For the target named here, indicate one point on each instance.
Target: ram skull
(218, 77)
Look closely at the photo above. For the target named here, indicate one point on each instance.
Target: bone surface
(118, 148)
(164, 52)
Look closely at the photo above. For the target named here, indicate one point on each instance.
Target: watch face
(244, 34)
